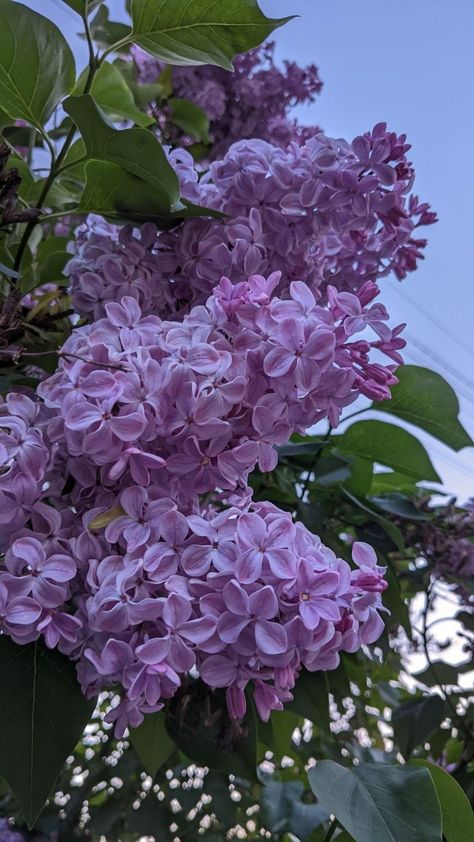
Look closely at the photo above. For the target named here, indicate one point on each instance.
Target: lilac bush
(131, 539)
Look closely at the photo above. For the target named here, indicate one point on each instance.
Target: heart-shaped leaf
(377, 802)
(42, 716)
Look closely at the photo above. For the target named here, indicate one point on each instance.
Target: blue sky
(410, 64)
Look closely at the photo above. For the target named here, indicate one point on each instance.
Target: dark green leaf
(36, 64)
(400, 505)
(107, 32)
(38, 687)
(456, 811)
(389, 445)
(111, 93)
(390, 528)
(413, 721)
(311, 698)
(151, 742)
(283, 810)
(424, 398)
(200, 737)
(118, 195)
(136, 151)
(201, 31)
(82, 6)
(441, 673)
(152, 817)
(393, 600)
(360, 476)
(190, 118)
(389, 481)
(376, 802)
(283, 724)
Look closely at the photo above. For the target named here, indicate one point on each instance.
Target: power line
(416, 359)
(428, 352)
(442, 327)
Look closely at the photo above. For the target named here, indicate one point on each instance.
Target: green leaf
(42, 716)
(441, 673)
(389, 445)
(118, 195)
(200, 737)
(82, 6)
(136, 151)
(190, 118)
(283, 809)
(393, 600)
(390, 528)
(152, 817)
(151, 742)
(424, 398)
(112, 94)
(200, 31)
(360, 477)
(400, 505)
(107, 32)
(389, 481)
(376, 802)
(36, 64)
(456, 811)
(311, 698)
(413, 721)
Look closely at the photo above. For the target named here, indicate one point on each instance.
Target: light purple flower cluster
(240, 595)
(117, 559)
(327, 212)
(208, 397)
(253, 101)
(24, 460)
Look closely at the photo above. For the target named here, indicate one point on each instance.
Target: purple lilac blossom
(251, 102)
(327, 212)
(141, 418)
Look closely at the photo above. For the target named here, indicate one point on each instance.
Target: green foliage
(42, 716)
(112, 94)
(151, 742)
(414, 721)
(200, 32)
(457, 814)
(424, 398)
(376, 802)
(135, 151)
(190, 118)
(388, 445)
(284, 810)
(36, 64)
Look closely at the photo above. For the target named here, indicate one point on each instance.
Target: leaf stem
(316, 459)
(94, 64)
(332, 827)
(424, 635)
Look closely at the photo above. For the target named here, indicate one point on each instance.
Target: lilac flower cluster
(115, 557)
(211, 395)
(24, 460)
(327, 212)
(251, 102)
